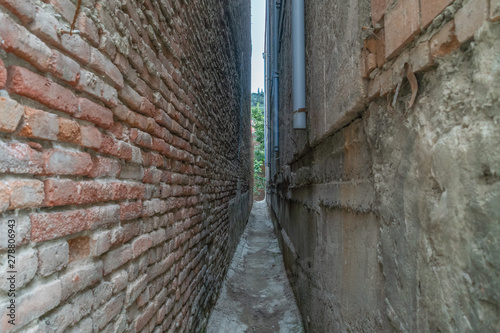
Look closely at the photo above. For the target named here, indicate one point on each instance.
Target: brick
(26, 267)
(141, 138)
(41, 326)
(94, 191)
(494, 10)
(147, 108)
(109, 145)
(163, 119)
(130, 210)
(127, 232)
(25, 83)
(130, 97)
(91, 137)
(76, 47)
(378, 10)
(11, 113)
(134, 289)
(32, 304)
(3, 74)
(105, 67)
(152, 176)
(25, 193)
(444, 42)
(124, 151)
(107, 45)
(116, 258)
(82, 304)
(47, 226)
(119, 131)
(61, 318)
(22, 228)
(25, 10)
(104, 167)
(131, 171)
(137, 120)
(141, 244)
(105, 314)
(45, 26)
(100, 242)
(470, 18)
(69, 131)
(84, 326)
(79, 248)
(420, 58)
(52, 257)
(65, 8)
(88, 29)
(64, 68)
(95, 87)
(122, 191)
(62, 162)
(144, 317)
(103, 215)
(121, 112)
(120, 60)
(39, 124)
(136, 155)
(158, 236)
(95, 113)
(401, 25)
(80, 277)
(5, 192)
(102, 294)
(119, 280)
(430, 9)
(19, 41)
(20, 158)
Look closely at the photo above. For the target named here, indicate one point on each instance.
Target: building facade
(126, 176)
(387, 205)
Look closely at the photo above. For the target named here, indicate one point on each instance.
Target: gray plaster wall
(389, 218)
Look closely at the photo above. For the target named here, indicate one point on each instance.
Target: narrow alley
(256, 295)
(132, 148)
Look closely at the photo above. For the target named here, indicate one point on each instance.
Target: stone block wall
(387, 210)
(124, 161)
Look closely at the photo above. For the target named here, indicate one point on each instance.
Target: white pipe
(275, 76)
(299, 65)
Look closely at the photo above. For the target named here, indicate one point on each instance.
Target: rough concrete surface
(256, 296)
(390, 221)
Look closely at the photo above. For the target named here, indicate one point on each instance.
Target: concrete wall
(389, 215)
(124, 160)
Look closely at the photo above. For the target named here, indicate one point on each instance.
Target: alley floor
(256, 295)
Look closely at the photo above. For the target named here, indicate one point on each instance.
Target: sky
(258, 29)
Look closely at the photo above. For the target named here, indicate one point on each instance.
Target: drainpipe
(268, 87)
(275, 76)
(299, 65)
(264, 56)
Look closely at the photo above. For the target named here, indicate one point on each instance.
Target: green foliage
(258, 99)
(259, 148)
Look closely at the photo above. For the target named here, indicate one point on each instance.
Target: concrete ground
(256, 296)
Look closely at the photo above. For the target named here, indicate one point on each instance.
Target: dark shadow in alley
(256, 295)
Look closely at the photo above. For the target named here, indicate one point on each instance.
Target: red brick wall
(120, 160)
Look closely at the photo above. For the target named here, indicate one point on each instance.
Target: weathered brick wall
(388, 214)
(124, 160)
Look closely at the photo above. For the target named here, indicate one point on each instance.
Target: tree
(258, 99)
(259, 149)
